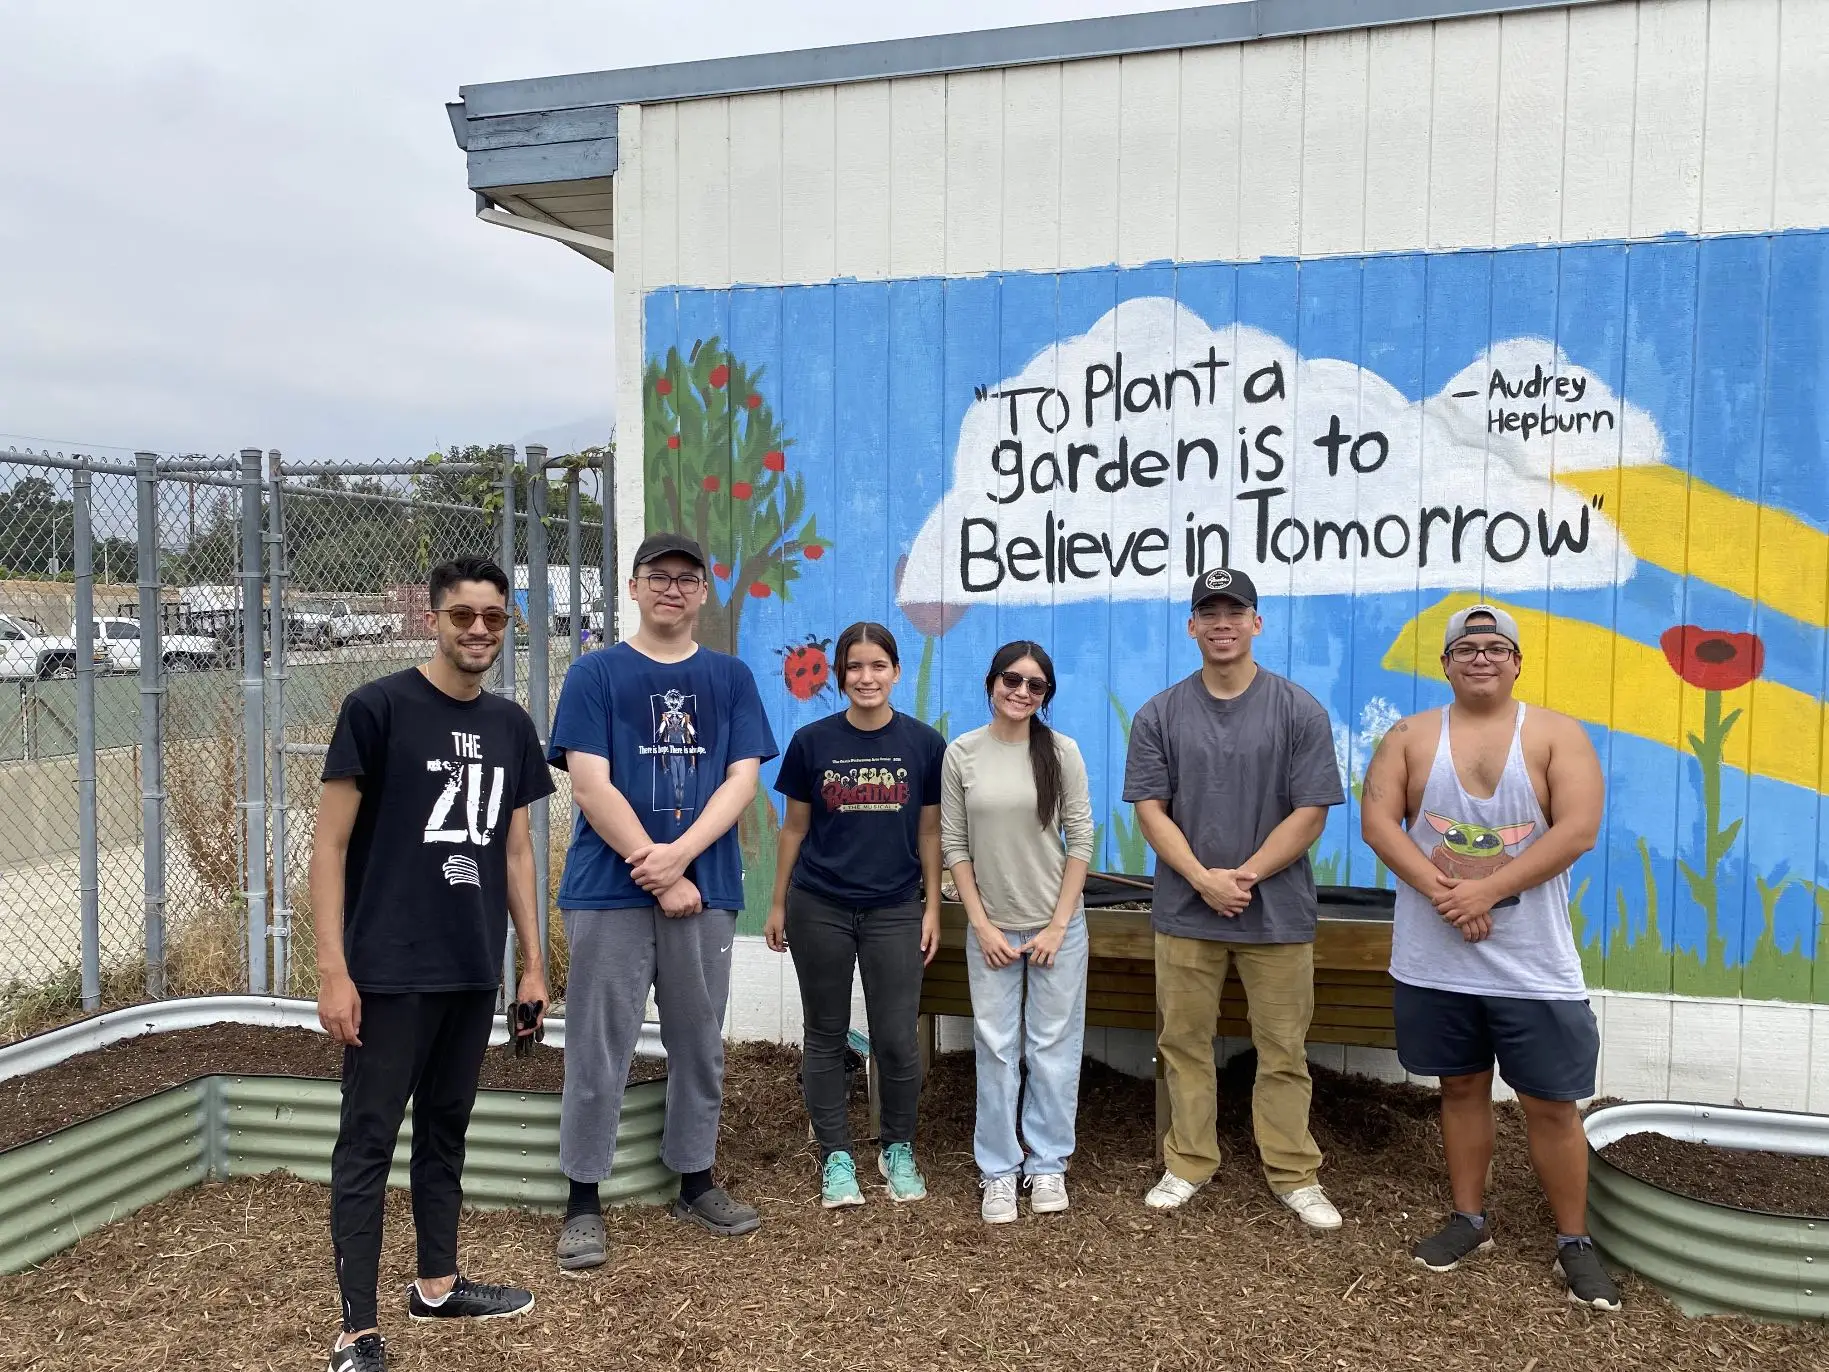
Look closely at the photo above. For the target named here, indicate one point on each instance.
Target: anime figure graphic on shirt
(1468, 852)
(675, 734)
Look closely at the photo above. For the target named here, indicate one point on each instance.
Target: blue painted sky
(1723, 341)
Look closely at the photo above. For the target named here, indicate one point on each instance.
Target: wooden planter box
(1352, 983)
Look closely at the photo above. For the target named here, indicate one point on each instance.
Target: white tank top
(1531, 952)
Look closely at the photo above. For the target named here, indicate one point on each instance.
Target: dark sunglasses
(1013, 681)
(462, 617)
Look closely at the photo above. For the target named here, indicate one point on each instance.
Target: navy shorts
(1545, 1048)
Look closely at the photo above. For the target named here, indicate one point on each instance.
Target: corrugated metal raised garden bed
(1708, 1257)
(56, 1188)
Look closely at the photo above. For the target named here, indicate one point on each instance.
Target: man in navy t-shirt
(664, 740)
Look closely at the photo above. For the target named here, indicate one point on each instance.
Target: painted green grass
(1641, 960)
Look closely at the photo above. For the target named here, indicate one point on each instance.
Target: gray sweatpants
(616, 955)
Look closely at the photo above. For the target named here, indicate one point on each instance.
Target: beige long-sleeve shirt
(987, 818)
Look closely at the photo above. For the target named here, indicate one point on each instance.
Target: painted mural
(1625, 444)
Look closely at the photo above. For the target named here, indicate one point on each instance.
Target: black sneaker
(366, 1354)
(1589, 1284)
(470, 1300)
(1456, 1241)
(716, 1211)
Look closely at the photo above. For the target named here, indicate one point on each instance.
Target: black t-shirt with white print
(425, 886)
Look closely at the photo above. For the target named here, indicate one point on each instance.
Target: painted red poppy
(673, 441)
(815, 551)
(775, 461)
(663, 387)
(1713, 659)
(754, 402)
(758, 591)
(720, 571)
(710, 483)
(719, 375)
(742, 490)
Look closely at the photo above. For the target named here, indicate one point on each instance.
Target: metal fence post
(88, 883)
(612, 598)
(508, 656)
(574, 557)
(539, 635)
(254, 723)
(277, 571)
(152, 724)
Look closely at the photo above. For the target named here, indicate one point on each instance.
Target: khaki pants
(1279, 982)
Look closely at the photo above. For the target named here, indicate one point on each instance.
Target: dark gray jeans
(827, 941)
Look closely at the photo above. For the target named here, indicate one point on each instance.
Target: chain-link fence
(176, 637)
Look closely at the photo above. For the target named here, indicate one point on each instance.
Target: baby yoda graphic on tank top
(1531, 952)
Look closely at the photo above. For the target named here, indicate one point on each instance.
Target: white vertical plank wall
(1626, 120)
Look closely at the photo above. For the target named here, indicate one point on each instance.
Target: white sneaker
(1312, 1207)
(1171, 1193)
(1047, 1193)
(999, 1205)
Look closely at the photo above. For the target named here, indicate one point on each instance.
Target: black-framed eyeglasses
(1015, 681)
(658, 582)
(495, 619)
(1492, 652)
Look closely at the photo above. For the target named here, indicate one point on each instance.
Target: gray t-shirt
(1229, 772)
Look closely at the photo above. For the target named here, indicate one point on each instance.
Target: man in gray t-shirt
(1232, 771)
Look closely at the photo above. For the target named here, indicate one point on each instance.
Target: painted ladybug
(805, 667)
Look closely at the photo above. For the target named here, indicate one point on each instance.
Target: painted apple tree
(715, 466)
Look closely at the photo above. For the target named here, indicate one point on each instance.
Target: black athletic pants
(827, 940)
(426, 1047)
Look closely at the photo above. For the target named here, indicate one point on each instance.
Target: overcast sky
(227, 224)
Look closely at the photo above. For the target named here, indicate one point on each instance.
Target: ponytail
(1045, 762)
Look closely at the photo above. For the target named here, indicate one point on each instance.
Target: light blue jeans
(1048, 1032)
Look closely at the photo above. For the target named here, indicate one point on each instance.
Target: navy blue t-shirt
(669, 730)
(866, 788)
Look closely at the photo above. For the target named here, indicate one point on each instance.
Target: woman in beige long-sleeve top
(1016, 831)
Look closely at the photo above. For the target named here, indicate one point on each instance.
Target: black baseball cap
(1222, 583)
(659, 545)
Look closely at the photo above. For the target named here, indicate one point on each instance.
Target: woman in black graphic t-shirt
(857, 884)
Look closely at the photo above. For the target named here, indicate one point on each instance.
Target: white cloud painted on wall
(1122, 461)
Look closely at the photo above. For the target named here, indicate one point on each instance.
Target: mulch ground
(1782, 1183)
(238, 1276)
(90, 1083)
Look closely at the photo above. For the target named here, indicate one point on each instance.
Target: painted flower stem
(1704, 882)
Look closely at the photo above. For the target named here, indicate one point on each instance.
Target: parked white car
(28, 653)
(181, 652)
(330, 623)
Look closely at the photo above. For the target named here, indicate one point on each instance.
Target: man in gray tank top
(1480, 809)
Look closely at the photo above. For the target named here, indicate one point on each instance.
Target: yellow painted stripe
(1588, 671)
(1692, 528)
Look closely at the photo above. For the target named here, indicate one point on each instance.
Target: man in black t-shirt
(420, 854)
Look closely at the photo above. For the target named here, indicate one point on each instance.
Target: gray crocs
(582, 1243)
(716, 1211)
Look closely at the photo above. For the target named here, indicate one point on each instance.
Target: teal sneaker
(897, 1164)
(838, 1183)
